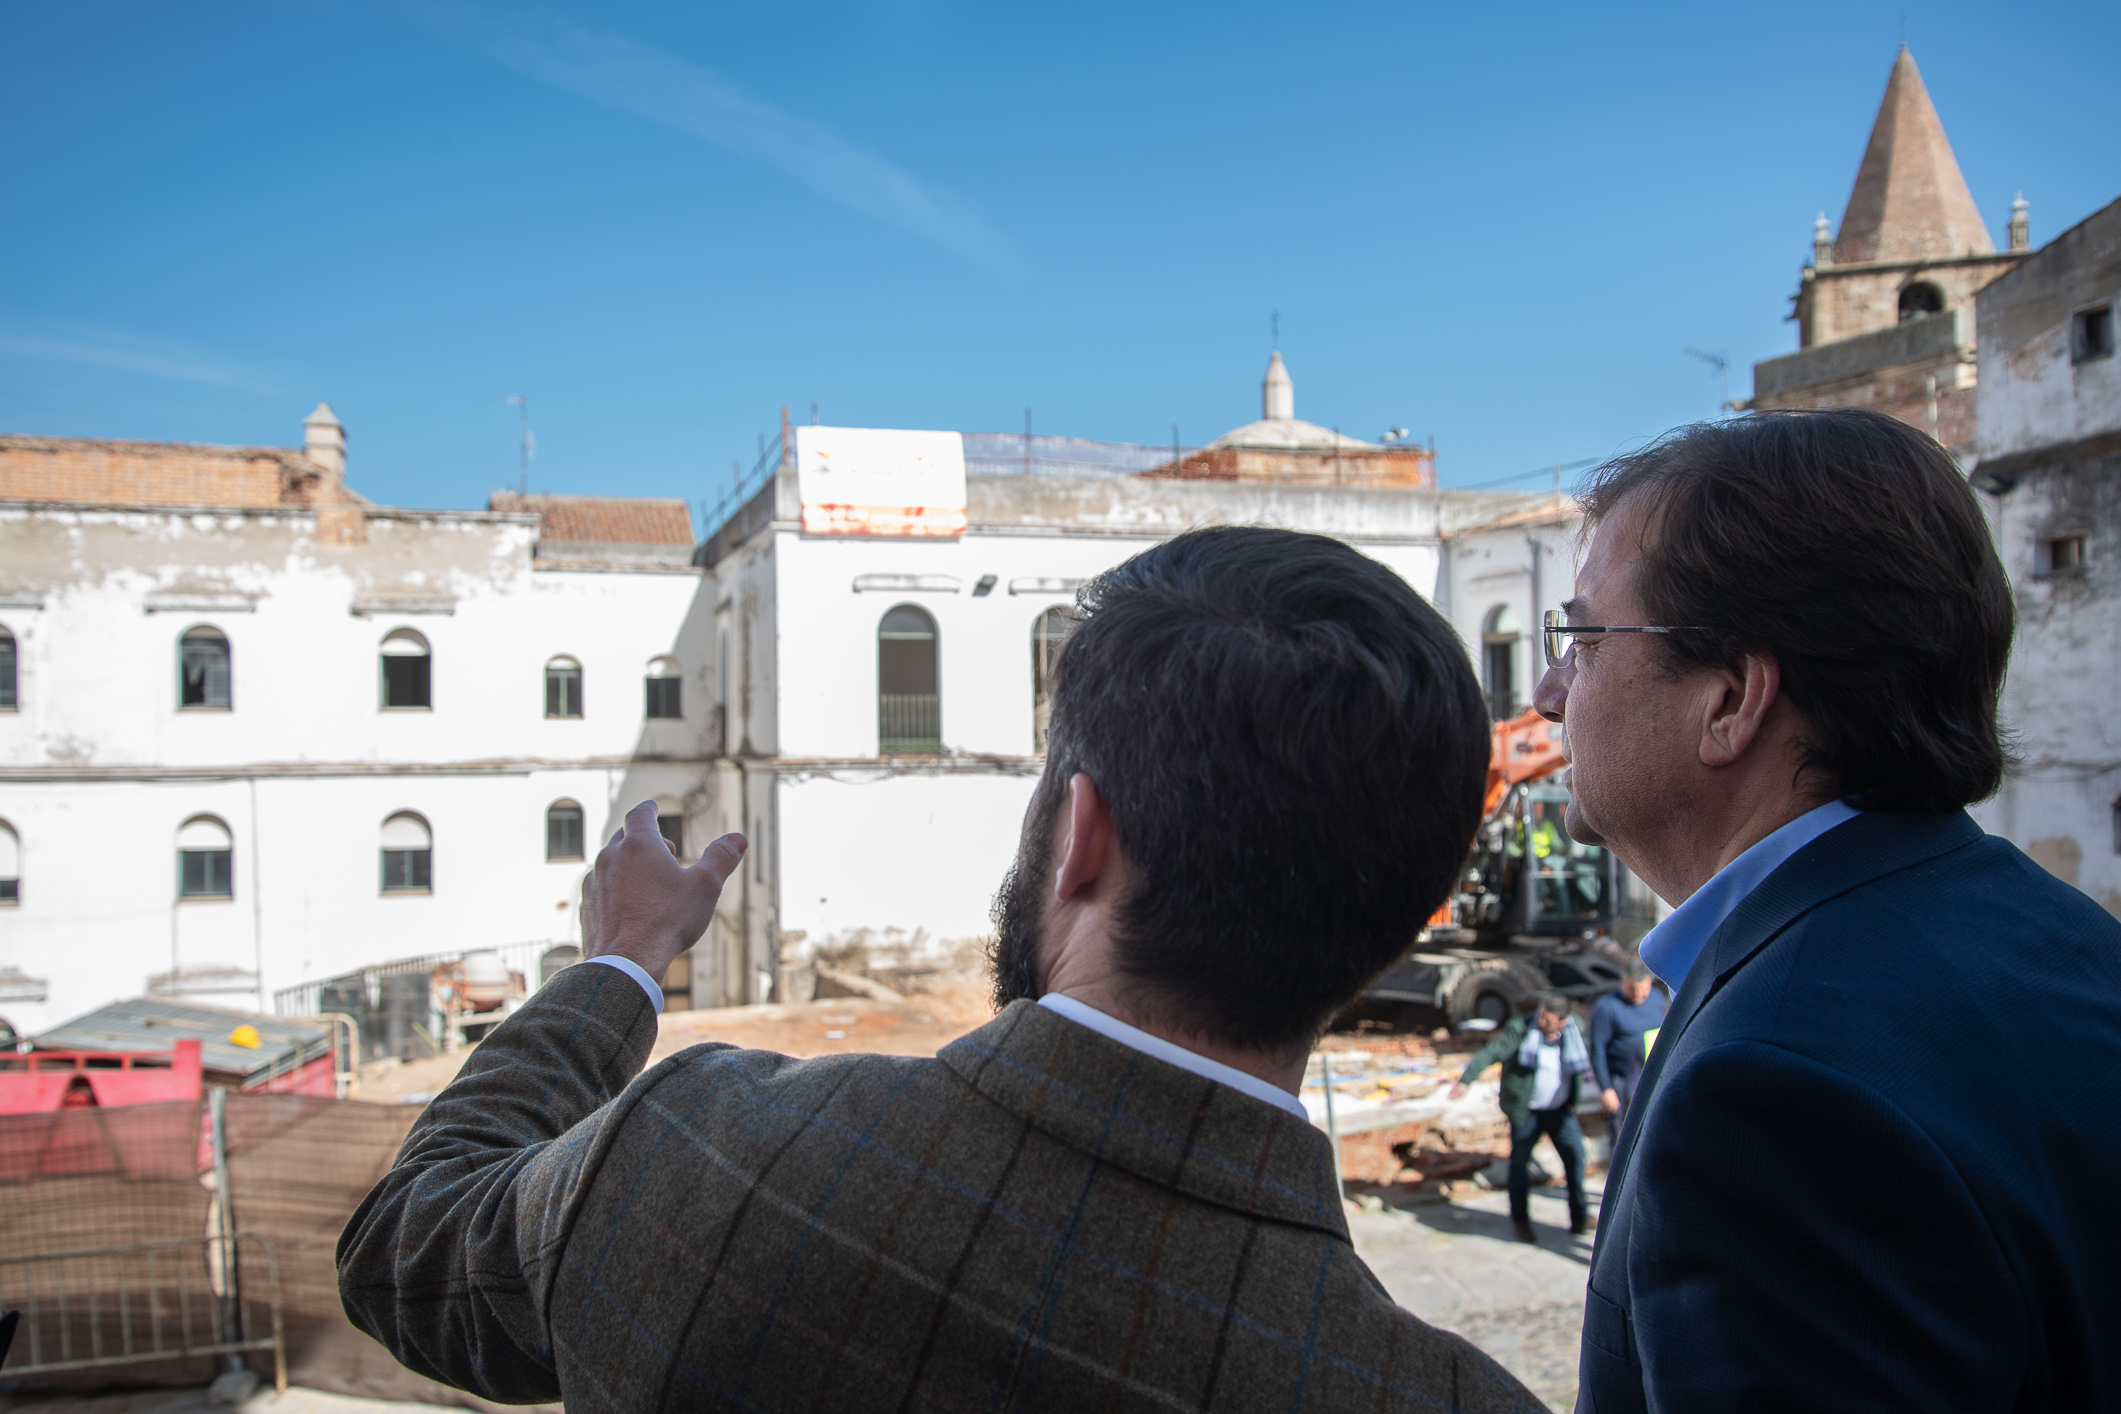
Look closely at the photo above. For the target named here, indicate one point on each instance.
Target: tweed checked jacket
(1037, 1218)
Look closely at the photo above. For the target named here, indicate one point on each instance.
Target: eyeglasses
(1557, 632)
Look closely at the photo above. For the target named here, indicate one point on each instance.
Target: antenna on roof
(522, 406)
(1275, 322)
(1722, 365)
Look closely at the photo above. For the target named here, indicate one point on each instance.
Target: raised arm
(445, 1262)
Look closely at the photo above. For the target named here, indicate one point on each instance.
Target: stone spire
(1277, 394)
(1909, 202)
(324, 441)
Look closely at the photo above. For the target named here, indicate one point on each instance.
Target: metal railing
(909, 723)
(743, 486)
(1028, 454)
(986, 454)
(137, 1302)
(303, 999)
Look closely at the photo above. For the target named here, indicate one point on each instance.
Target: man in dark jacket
(1543, 1061)
(1622, 1025)
(1779, 676)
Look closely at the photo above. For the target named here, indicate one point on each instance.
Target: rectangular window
(563, 832)
(10, 891)
(672, 828)
(206, 675)
(563, 692)
(405, 680)
(2091, 334)
(7, 672)
(663, 699)
(205, 873)
(2059, 555)
(408, 871)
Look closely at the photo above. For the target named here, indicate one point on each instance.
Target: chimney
(1277, 395)
(2021, 226)
(324, 441)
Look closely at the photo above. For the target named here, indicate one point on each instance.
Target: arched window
(563, 687)
(909, 708)
(408, 855)
(665, 698)
(203, 670)
(1920, 300)
(205, 859)
(1498, 661)
(1048, 632)
(408, 681)
(563, 831)
(10, 866)
(7, 671)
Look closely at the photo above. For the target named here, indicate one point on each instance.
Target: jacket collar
(1162, 1124)
(1857, 852)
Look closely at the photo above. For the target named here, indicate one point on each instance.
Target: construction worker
(1543, 1060)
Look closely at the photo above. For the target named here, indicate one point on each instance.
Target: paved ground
(1457, 1265)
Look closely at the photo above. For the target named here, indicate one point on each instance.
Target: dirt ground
(918, 1026)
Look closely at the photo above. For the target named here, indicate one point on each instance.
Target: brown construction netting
(81, 1180)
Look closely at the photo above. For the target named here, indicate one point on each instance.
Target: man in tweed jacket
(1266, 761)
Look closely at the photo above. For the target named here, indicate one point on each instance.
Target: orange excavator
(1533, 910)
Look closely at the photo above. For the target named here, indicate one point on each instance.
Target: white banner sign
(875, 481)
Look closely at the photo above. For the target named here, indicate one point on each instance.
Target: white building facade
(254, 745)
(896, 846)
(239, 753)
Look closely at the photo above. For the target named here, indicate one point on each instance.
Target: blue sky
(1498, 226)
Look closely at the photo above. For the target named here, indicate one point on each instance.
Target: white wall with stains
(100, 764)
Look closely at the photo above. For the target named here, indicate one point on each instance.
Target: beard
(1019, 912)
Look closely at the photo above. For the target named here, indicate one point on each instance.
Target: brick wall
(153, 473)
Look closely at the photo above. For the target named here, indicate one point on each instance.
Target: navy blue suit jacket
(1841, 1186)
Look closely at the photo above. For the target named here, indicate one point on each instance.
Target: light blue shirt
(638, 973)
(1672, 947)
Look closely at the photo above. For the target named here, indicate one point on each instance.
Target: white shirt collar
(1135, 1038)
(1671, 948)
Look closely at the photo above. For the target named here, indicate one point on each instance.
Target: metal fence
(986, 454)
(392, 1004)
(910, 723)
(136, 1303)
(1025, 454)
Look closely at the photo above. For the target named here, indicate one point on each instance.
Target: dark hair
(1635, 970)
(1293, 749)
(1553, 1004)
(1846, 545)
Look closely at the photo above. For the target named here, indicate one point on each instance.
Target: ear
(1087, 854)
(1740, 711)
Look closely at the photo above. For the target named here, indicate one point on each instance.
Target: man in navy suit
(1779, 676)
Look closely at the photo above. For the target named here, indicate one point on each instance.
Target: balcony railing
(910, 723)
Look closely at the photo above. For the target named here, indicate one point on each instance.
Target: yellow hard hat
(245, 1036)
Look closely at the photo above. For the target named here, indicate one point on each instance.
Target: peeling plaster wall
(2059, 803)
(2053, 426)
(99, 766)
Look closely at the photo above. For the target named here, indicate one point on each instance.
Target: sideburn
(1019, 910)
